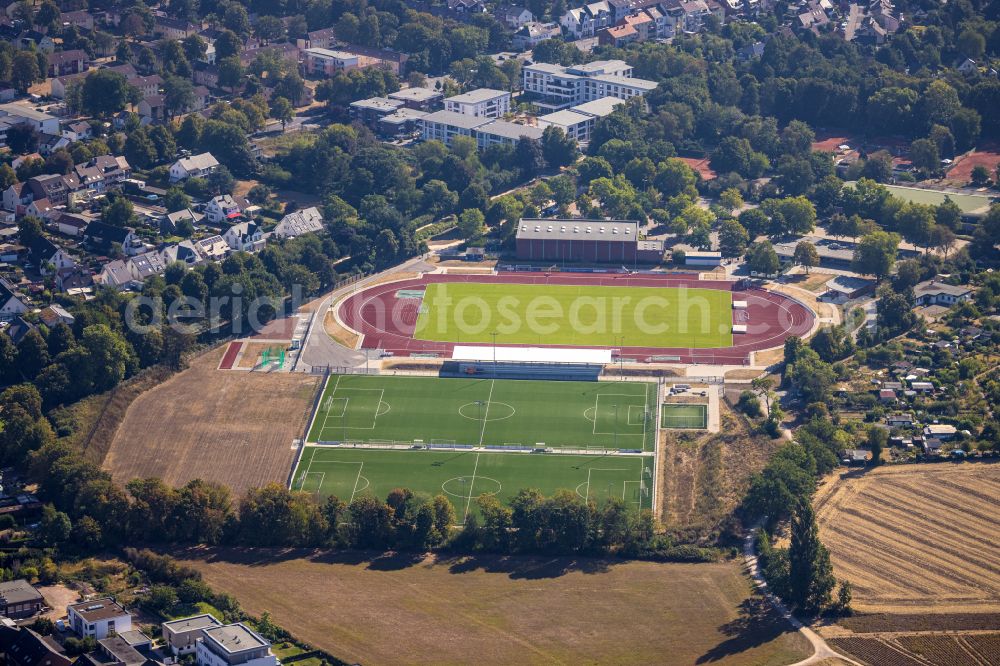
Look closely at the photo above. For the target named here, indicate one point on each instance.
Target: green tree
(877, 439)
(806, 255)
(733, 238)
(281, 110)
(810, 579)
(178, 94)
(471, 223)
(230, 73)
(557, 148)
(762, 259)
(924, 155)
(875, 254)
(110, 356)
(24, 71)
(980, 176)
(106, 92)
(175, 200)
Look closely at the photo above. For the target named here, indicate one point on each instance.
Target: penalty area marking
(586, 497)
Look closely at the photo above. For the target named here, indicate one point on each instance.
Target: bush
(749, 404)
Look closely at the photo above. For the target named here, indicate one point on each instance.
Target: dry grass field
(703, 476)
(507, 610)
(232, 427)
(916, 538)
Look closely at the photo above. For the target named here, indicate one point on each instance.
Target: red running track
(387, 322)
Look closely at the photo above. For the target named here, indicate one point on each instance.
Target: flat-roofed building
(444, 126)
(501, 132)
(587, 241)
(419, 99)
(182, 635)
(370, 111)
(402, 123)
(233, 645)
(481, 103)
(557, 87)
(18, 599)
(98, 618)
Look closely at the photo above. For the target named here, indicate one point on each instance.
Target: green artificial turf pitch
(668, 317)
(465, 475)
(486, 412)
(684, 416)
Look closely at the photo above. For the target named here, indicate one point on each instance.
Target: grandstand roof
(531, 354)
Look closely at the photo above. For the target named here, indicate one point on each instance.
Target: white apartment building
(480, 103)
(578, 121)
(558, 87)
(500, 132)
(98, 618)
(444, 126)
(233, 645)
(182, 636)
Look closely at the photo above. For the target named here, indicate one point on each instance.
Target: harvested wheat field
(923, 649)
(236, 428)
(916, 538)
(411, 609)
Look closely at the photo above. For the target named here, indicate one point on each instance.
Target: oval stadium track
(387, 322)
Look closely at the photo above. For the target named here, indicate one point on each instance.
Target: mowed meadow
(415, 609)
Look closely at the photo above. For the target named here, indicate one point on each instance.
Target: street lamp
(347, 402)
(494, 335)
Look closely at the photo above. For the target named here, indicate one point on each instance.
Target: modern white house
(934, 292)
(196, 166)
(233, 645)
(244, 237)
(480, 103)
(183, 635)
(98, 618)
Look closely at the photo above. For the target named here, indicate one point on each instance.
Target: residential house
(48, 256)
(116, 651)
(52, 316)
(43, 209)
(942, 431)
(618, 36)
(233, 645)
(98, 618)
(480, 103)
(887, 396)
(25, 647)
(467, 6)
(49, 186)
(18, 599)
(168, 27)
(50, 143)
(814, 18)
(115, 274)
(182, 636)
(188, 252)
(153, 107)
(214, 248)
(63, 63)
(74, 278)
(206, 74)
(107, 237)
(899, 420)
(195, 166)
(304, 221)
(16, 197)
(146, 85)
(244, 237)
(588, 20)
(102, 172)
(513, 16)
(11, 304)
(935, 292)
(222, 208)
(81, 19)
(687, 15)
(16, 330)
(78, 131)
(147, 265)
(530, 34)
(324, 38)
(169, 222)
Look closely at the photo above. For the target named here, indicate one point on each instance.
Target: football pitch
(463, 476)
(668, 317)
(376, 409)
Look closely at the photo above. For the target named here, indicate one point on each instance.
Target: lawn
(486, 412)
(465, 475)
(966, 202)
(678, 317)
(684, 416)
